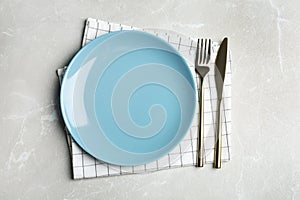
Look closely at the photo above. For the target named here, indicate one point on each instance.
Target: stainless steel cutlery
(220, 71)
(203, 54)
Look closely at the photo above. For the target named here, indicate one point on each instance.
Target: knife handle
(200, 145)
(218, 145)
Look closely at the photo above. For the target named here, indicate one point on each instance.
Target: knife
(220, 71)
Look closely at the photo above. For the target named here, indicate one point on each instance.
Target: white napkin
(86, 166)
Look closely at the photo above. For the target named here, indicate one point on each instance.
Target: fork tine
(201, 51)
(208, 51)
(204, 52)
(197, 53)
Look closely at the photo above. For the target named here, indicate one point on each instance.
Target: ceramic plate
(128, 98)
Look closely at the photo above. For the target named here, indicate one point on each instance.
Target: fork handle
(218, 145)
(200, 144)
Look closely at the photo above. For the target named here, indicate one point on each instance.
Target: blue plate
(128, 98)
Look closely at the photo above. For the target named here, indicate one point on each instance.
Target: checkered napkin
(86, 166)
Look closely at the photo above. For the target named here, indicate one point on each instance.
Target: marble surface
(38, 37)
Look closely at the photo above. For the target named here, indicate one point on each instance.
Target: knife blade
(221, 61)
(220, 71)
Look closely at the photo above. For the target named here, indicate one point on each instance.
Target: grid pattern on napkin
(86, 166)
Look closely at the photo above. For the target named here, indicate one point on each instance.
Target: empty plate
(128, 98)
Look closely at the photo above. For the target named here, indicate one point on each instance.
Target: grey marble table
(37, 37)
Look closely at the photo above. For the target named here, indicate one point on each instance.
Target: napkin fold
(184, 155)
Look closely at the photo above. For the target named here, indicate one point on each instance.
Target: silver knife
(220, 71)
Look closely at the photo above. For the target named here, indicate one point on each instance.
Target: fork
(203, 53)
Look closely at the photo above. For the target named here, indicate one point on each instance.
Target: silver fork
(203, 53)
